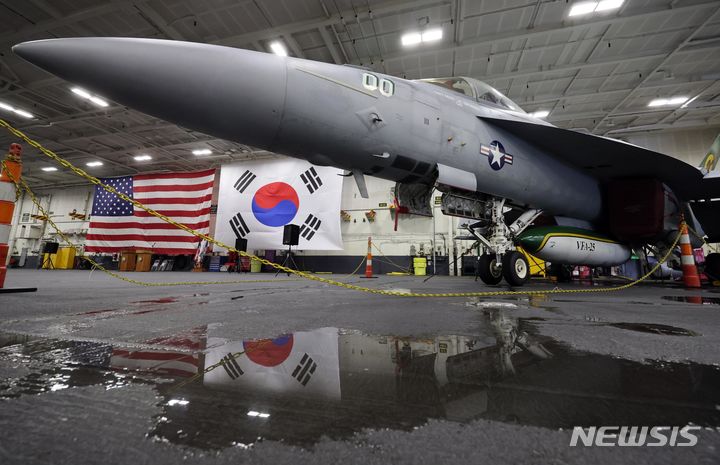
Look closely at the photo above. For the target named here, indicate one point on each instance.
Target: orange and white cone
(687, 259)
(8, 177)
(368, 262)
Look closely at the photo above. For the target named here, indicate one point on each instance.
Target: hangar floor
(90, 372)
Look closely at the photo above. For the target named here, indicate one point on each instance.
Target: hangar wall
(689, 146)
(413, 236)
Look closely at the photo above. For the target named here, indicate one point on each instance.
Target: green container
(255, 266)
(420, 271)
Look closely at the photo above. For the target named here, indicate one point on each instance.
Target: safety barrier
(11, 170)
(92, 179)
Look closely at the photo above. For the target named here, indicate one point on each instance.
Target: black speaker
(51, 247)
(291, 234)
(241, 244)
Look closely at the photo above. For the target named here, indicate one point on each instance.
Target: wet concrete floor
(96, 371)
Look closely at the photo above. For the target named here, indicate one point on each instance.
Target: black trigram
(312, 224)
(311, 179)
(231, 366)
(244, 181)
(304, 370)
(238, 226)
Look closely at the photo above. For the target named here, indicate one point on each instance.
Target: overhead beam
(489, 39)
(667, 58)
(390, 7)
(67, 20)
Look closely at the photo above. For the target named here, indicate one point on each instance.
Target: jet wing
(606, 158)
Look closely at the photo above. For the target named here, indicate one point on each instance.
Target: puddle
(654, 329)
(330, 382)
(693, 299)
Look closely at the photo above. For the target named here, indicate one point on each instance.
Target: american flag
(117, 225)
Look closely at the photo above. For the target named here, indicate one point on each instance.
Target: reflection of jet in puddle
(329, 382)
(302, 386)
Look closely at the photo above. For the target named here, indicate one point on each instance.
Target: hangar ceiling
(596, 72)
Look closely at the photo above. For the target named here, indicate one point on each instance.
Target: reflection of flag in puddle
(304, 363)
(156, 361)
(304, 370)
(183, 362)
(231, 366)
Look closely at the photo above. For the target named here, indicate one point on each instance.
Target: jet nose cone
(230, 93)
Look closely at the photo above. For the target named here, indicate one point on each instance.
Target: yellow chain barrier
(92, 179)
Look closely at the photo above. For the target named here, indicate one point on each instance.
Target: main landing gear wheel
(488, 269)
(515, 268)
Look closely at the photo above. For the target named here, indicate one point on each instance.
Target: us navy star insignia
(497, 156)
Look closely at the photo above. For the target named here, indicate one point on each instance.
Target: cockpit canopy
(476, 90)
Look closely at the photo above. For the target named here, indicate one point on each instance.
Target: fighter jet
(565, 196)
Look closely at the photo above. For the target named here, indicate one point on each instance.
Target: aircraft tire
(488, 270)
(712, 265)
(515, 269)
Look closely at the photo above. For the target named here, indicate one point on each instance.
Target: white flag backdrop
(258, 198)
(305, 363)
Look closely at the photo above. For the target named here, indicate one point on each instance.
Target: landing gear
(500, 259)
(515, 268)
(489, 270)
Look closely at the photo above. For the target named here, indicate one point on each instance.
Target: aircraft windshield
(476, 90)
(459, 85)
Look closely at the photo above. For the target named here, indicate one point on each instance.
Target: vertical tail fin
(708, 166)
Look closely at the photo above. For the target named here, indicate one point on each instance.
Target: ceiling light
(432, 34)
(604, 5)
(278, 48)
(661, 102)
(202, 152)
(49, 168)
(412, 38)
(584, 8)
(88, 96)
(17, 111)
(143, 158)
(253, 413)
(81, 92)
(540, 114)
(98, 101)
(93, 164)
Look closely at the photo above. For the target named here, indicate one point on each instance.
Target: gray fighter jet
(565, 196)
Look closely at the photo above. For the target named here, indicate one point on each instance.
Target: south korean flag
(304, 363)
(258, 198)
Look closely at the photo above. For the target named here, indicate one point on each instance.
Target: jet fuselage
(341, 116)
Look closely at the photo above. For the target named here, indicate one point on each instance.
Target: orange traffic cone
(690, 273)
(368, 262)
(9, 176)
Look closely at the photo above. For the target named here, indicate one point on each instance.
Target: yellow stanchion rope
(92, 179)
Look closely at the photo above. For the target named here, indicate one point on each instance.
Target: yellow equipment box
(64, 259)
